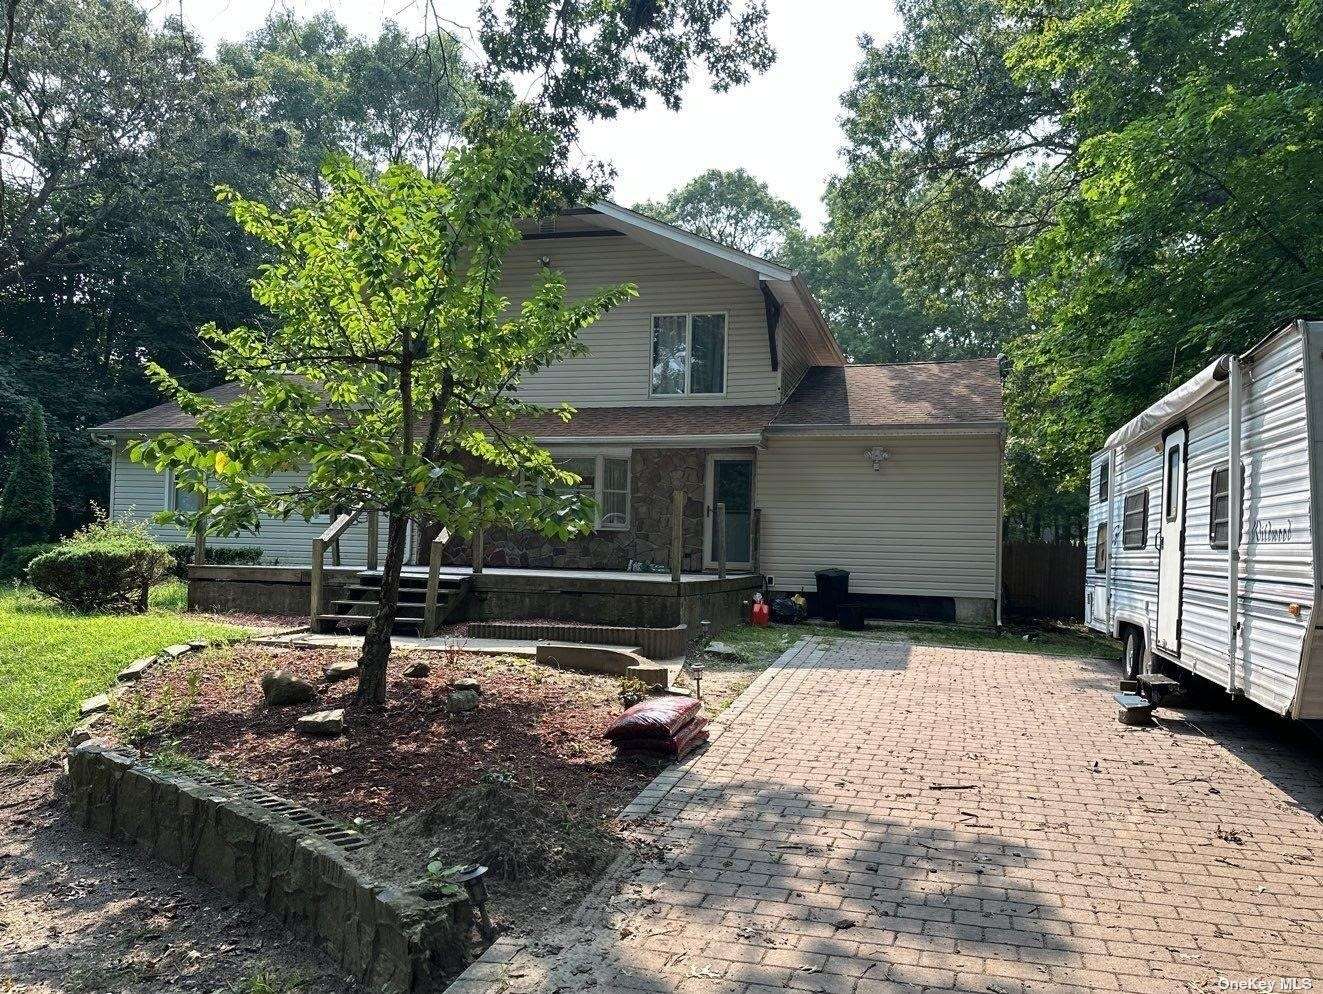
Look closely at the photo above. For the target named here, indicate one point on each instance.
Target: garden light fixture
(472, 879)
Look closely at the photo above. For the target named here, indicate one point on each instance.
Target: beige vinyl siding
(794, 353)
(925, 525)
(137, 493)
(615, 369)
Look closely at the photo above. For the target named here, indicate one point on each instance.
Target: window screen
(1134, 524)
(1104, 479)
(615, 493)
(669, 353)
(1100, 548)
(707, 373)
(1219, 506)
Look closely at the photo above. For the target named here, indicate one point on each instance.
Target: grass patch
(52, 659)
(758, 647)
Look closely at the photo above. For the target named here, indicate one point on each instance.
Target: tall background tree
(27, 509)
(731, 207)
(1116, 191)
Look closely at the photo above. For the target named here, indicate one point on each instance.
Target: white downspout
(1233, 518)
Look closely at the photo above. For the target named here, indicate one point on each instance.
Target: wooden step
(330, 623)
(350, 608)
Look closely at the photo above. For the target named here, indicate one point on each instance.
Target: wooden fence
(1043, 579)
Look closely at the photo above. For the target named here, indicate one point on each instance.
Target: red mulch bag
(683, 742)
(653, 718)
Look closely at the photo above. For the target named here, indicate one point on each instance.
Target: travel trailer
(1208, 570)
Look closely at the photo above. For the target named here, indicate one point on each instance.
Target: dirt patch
(80, 915)
(529, 762)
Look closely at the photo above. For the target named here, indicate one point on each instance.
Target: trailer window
(1173, 481)
(1219, 507)
(1104, 478)
(1134, 525)
(1100, 548)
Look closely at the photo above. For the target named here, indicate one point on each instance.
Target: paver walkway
(880, 817)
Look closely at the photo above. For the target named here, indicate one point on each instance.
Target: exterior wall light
(877, 456)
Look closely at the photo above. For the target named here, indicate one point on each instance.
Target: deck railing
(330, 538)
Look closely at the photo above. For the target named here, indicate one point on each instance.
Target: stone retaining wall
(391, 940)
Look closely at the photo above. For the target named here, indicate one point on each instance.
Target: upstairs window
(1134, 522)
(688, 354)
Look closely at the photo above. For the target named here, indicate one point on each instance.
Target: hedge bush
(221, 555)
(107, 566)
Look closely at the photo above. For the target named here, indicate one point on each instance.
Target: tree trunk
(376, 643)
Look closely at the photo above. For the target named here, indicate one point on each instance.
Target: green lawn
(761, 646)
(51, 660)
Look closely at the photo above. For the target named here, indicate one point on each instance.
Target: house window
(605, 480)
(1100, 548)
(688, 354)
(1219, 507)
(1104, 478)
(1134, 521)
(179, 498)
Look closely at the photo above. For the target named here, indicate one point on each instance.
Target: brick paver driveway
(880, 817)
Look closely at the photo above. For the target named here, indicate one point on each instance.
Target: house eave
(658, 441)
(851, 431)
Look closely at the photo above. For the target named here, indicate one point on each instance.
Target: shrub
(243, 555)
(27, 505)
(107, 565)
(14, 562)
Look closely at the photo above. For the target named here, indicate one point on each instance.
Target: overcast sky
(782, 126)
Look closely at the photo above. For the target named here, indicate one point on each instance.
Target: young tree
(732, 207)
(27, 507)
(386, 363)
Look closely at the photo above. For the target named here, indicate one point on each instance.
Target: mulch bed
(540, 726)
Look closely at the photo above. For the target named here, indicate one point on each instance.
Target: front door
(1171, 540)
(730, 482)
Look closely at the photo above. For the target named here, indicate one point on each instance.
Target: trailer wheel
(1133, 658)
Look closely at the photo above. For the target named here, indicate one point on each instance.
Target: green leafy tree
(385, 363)
(27, 509)
(1122, 189)
(733, 207)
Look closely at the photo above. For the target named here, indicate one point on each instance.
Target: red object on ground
(653, 718)
(762, 614)
(685, 740)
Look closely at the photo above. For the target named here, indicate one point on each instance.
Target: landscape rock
(722, 651)
(280, 687)
(416, 671)
(135, 669)
(467, 683)
(341, 671)
(460, 701)
(94, 705)
(175, 650)
(323, 724)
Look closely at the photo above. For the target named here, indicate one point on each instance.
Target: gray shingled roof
(901, 395)
(912, 394)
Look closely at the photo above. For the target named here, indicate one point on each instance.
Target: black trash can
(833, 591)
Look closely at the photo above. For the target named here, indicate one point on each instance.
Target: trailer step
(1158, 681)
(1133, 709)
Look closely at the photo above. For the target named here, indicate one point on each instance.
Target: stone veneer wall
(654, 475)
(390, 939)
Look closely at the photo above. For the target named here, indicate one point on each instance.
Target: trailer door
(1171, 540)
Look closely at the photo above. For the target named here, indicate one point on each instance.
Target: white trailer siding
(137, 492)
(615, 370)
(926, 524)
(1276, 589)
(1097, 600)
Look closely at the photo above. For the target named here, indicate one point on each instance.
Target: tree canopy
(733, 207)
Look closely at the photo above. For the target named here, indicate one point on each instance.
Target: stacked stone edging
(389, 939)
(655, 643)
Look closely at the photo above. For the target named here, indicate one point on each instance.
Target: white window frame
(560, 456)
(689, 351)
(171, 492)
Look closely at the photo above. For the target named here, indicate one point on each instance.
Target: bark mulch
(539, 726)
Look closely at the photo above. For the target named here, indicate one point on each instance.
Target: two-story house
(722, 379)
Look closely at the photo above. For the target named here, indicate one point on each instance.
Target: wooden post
(677, 535)
(372, 539)
(479, 538)
(755, 538)
(315, 583)
(433, 583)
(719, 536)
(200, 532)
